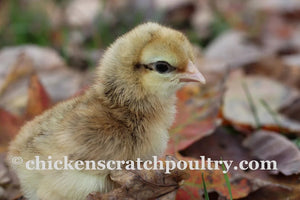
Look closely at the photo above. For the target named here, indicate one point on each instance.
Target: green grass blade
(204, 188)
(297, 142)
(227, 181)
(251, 104)
(271, 112)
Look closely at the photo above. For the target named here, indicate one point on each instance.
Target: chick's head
(151, 59)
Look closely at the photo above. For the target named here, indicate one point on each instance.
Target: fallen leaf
(277, 68)
(220, 144)
(271, 23)
(269, 192)
(215, 182)
(267, 145)
(292, 110)
(237, 108)
(9, 126)
(143, 184)
(52, 72)
(233, 49)
(281, 189)
(36, 54)
(38, 99)
(225, 144)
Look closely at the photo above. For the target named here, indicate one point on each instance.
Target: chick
(125, 115)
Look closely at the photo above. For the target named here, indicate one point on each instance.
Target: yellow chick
(125, 115)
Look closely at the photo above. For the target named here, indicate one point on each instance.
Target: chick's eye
(163, 67)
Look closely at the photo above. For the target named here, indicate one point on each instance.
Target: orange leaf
(38, 99)
(9, 126)
(215, 181)
(197, 110)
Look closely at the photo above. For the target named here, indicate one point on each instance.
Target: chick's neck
(130, 99)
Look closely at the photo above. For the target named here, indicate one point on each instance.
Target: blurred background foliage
(53, 23)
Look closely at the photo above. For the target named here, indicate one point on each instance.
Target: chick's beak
(192, 74)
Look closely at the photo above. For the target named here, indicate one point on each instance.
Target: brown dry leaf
(215, 182)
(36, 54)
(38, 99)
(285, 70)
(272, 23)
(222, 143)
(233, 49)
(237, 107)
(278, 69)
(218, 145)
(52, 72)
(9, 127)
(292, 110)
(143, 184)
(283, 188)
(228, 146)
(267, 145)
